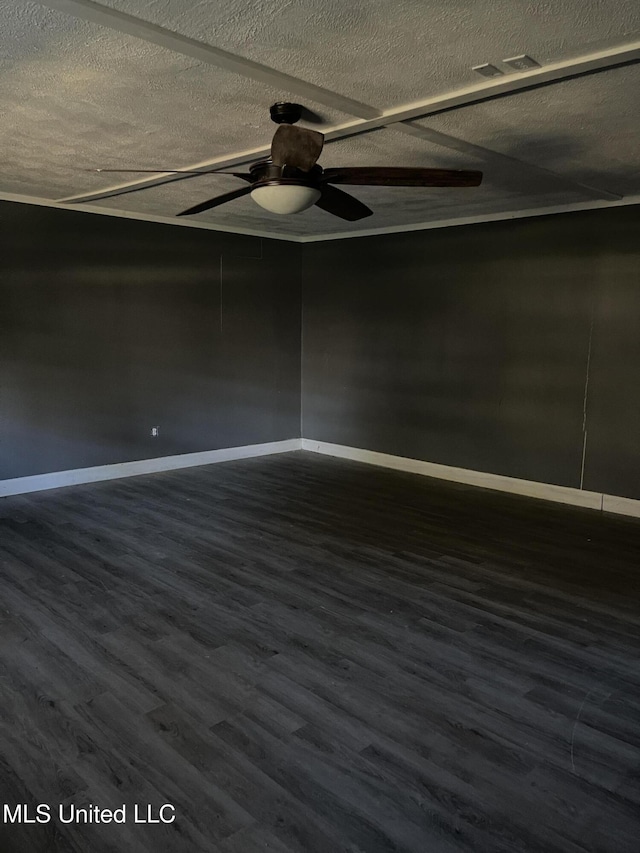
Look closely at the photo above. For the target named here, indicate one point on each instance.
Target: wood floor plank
(308, 655)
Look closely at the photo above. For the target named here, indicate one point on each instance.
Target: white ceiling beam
(428, 134)
(161, 178)
(129, 25)
(483, 90)
(495, 158)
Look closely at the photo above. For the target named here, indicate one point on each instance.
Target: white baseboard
(57, 479)
(621, 506)
(498, 482)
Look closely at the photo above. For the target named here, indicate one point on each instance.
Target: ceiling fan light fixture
(285, 198)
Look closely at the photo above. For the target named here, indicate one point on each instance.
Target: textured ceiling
(78, 95)
(387, 52)
(585, 129)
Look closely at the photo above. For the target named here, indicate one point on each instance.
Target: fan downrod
(285, 113)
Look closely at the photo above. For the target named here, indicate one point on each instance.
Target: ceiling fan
(291, 180)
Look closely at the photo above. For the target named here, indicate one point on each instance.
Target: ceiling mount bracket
(285, 113)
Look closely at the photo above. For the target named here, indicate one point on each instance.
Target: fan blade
(383, 176)
(214, 202)
(244, 175)
(342, 204)
(296, 147)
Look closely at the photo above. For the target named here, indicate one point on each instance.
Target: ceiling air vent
(488, 70)
(521, 63)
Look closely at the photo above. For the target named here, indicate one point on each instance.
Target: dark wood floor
(304, 654)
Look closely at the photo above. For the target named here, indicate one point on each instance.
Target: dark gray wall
(613, 413)
(470, 346)
(110, 326)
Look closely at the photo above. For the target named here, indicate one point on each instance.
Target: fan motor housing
(285, 113)
(267, 173)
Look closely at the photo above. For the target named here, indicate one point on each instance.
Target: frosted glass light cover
(285, 198)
